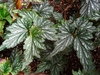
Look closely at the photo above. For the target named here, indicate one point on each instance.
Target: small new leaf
(46, 27)
(77, 73)
(5, 67)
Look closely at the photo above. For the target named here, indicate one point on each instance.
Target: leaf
(57, 16)
(89, 7)
(33, 43)
(46, 27)
(9, 19)
(16, 61)
(44, 9)
(82, 44)
(2, 47)
(18, 32)
(27, 14)
(30, 50)
(84, 24)
(5, 67)
(56, 70)
(65, 38)
(2, 23)
(11, 4)
(55, 65)
(77, 73)
(43, 66)
(4, 14)
(97, 38)
(96, 16)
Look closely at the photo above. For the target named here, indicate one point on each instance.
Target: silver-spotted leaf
(46, 27)
(89, 7)
(30, 49)
(43, 66)
(82, 44)
(58, 16)
(28, 14)
(44, 9)
(18, 32)
(65, 38)
(84, 24)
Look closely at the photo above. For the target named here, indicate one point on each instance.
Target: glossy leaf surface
(65, 38)
(55, 65)
(18, 32)
(89, 7)
(83, 43)
(44, 9)
(16, 61)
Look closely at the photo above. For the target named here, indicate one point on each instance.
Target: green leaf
(16, 61)
(96, 16)
(77, 73)
(27, 14)
(5, 67)
(33, 43)
(82, 44)
(2, 23)
(97, 38)
(4, 14)
(18, 32)
(46, 27)
(57, 16)
(89, 7)
(9, 19)
(65, 38)
(2, 47)
(84, 24)
(55, 65)
(30, 50)
(11, 4)
(44, 9)
(56, 69)
(43, 66)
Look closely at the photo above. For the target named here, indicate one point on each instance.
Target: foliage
(38, 26)
(5, 67)
(13, 64)
(84, 73)
(4, 16)
(55, 65)
(77, 73)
